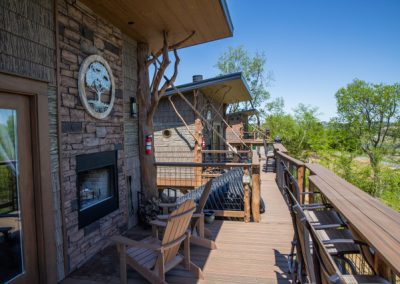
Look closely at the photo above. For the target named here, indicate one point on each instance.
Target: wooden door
(18, 240)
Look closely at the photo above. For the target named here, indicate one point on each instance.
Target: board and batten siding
(27, 49)
(179, 147)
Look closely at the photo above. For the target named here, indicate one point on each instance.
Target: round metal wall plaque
(96, 86)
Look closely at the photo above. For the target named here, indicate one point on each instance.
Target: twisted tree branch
(171, 47)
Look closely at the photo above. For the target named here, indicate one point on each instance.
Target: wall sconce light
(134, 108)
(208, 116)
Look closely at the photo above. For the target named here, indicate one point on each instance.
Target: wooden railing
(226, 156)
(184, 176)
(369, 220)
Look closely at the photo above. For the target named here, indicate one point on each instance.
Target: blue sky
(313, 47)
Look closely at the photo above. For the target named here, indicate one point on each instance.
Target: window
(166, 133)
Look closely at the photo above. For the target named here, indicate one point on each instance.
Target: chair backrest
(326, 270)
(202, 202)
(204, 196)
(177, 224)
(304, 239)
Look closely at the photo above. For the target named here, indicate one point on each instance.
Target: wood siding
(129, 70)
(27, 49)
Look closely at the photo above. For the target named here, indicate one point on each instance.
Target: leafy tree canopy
(237, 59)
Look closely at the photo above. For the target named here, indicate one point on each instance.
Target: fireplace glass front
(97, 187)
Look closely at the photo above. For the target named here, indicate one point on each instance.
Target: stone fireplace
(97, 187)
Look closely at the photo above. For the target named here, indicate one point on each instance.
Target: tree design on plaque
(96, 86)
(98, 80)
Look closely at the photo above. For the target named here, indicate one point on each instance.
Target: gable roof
(227, 89)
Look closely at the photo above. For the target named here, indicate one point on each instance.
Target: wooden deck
(247, 253)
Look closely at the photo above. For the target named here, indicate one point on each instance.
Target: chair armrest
(158, 223)
(131, 243)
(315, 206)
(168, 205)
(344, 241)
(163, 217)
(309, 192)
(328, 226)
(197, 215)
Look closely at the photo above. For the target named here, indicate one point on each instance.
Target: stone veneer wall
(82, 33)
(27, 49)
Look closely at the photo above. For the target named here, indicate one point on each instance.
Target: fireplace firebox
(97, 186)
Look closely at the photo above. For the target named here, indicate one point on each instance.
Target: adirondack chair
(200, 235)
(151, 257)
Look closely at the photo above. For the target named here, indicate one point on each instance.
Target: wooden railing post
(246, 186)
(255, 193)
(197, 152)
(300, 181)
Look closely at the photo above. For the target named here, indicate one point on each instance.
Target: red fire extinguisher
(149, 139)
(203, 144)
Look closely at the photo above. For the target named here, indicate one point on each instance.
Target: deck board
(247, 253)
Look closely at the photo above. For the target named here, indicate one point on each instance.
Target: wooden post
(197, 151)
(122, 263)
(300, 182)
(381, 268)
(310, 197)
(255, 198)
(246, 186)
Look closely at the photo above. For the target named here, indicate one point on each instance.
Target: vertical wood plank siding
(27, 49)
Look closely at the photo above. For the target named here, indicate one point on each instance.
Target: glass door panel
(11, 245)
(18, 241)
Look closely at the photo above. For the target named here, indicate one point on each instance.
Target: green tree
(311, 132)
(368, 112)
(237, 59)
(276, 106)
(302, 133)
(340, 139)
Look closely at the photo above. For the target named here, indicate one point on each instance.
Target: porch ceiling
(228, 92)
(145, 20)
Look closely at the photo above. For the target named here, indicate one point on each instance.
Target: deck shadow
(104, 266)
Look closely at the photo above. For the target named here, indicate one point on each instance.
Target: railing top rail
(224, 151)
(376, 223)
(188, 164)
(279, 147)
(286, 157)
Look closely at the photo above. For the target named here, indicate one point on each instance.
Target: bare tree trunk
(147, 169)
(148, 96)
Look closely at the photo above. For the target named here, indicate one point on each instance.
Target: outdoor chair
(326, 269)
(151, 257)
(200, 235)
(329, 223)
(337, 245)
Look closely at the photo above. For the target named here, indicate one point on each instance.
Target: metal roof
(228, 89)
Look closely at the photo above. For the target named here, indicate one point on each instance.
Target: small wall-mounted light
(209, 116)
(134, 108)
